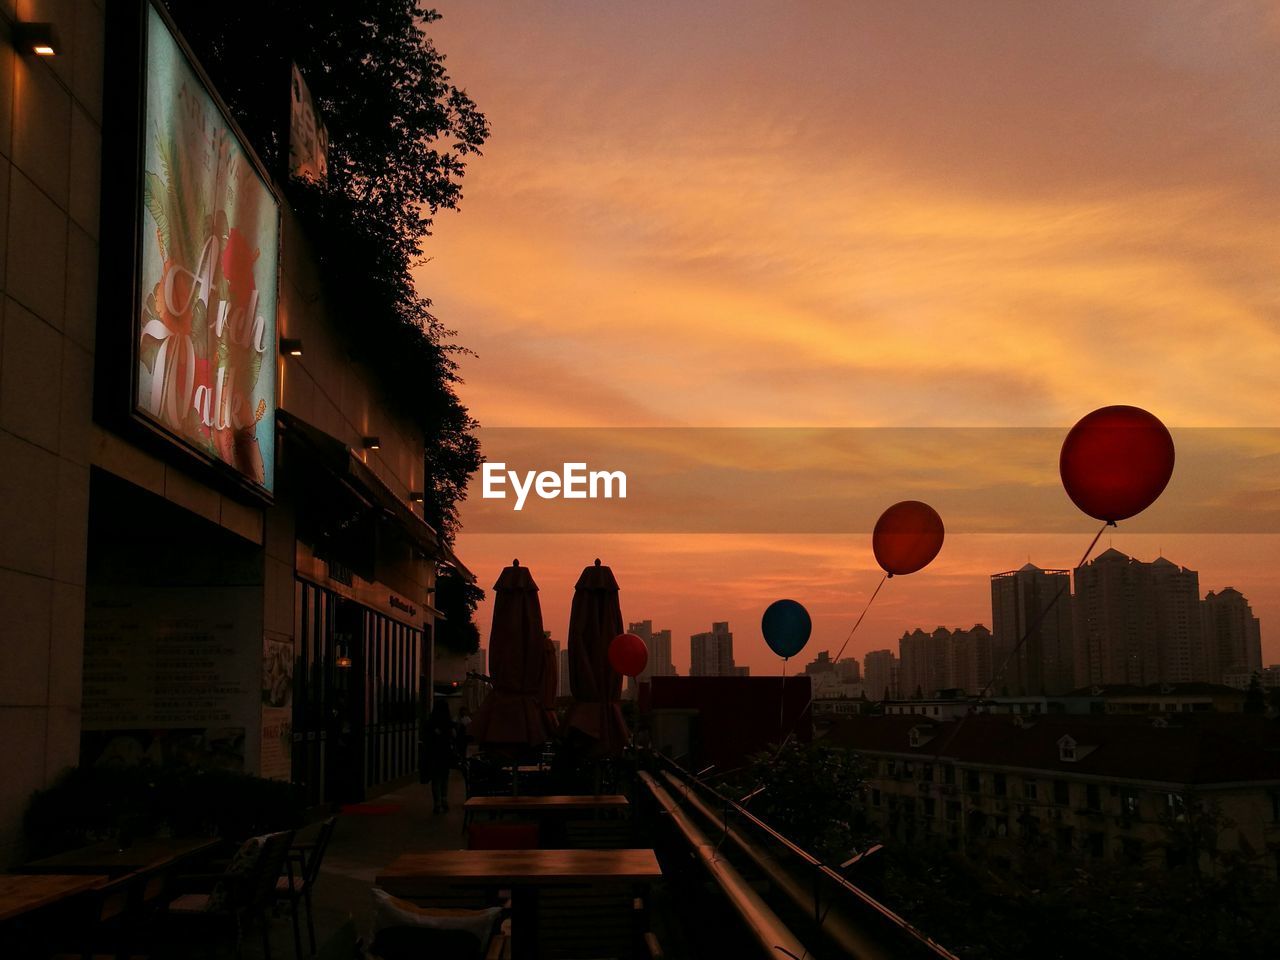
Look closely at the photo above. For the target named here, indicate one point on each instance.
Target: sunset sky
(829, 214)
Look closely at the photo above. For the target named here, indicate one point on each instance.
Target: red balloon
(628, 654)
(1116, 461)
(907, 537)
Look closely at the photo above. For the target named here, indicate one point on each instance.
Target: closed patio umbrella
(594, 620)
(511, 714)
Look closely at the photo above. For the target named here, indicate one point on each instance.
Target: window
(972, 782)
(953, 810)
(1175, 806)
(1130, 805)
(930, 808)
(1066, 839)
(1131, 849)
(1067, 749)
(908, 768)
(949, 774)
(875, 796)
(1030, 790)
(926, 772)
(1096, 845)
(1001, 785)
(1061, 792)
(1093, 798)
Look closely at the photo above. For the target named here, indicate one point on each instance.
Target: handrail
(837, 927)
(770, 932)
(883, 912)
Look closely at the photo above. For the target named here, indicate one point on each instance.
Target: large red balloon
(628, 654)
(907, 537)
(1116, 461)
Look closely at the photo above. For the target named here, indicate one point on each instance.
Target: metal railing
(840, 914)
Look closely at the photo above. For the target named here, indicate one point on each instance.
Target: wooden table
(582, 899)
(414, 871)
(107, 857)
(549, 804)
(22, 893)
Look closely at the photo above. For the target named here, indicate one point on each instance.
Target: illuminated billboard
(206, 326)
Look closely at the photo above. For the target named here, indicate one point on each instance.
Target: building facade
(659, 644)
(1232, 635)
(881, 668)
(1032, 627)
(1101, 788)
(711, 653)
(214, 545)
(1137, 623)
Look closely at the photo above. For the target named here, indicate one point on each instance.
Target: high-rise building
(848, 670)
(972, 662)
(1232, 635)
(1023, 606)
(711, 653)
(881, 669)
(562, 688)
(1137, 622)
(925, 662)
(659, 644)
(822, 663)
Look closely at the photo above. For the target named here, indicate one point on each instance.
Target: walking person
(441, 753)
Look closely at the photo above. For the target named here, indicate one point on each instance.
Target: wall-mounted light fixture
(371, 443)
(342, 660)
(417, 496)
(40, 39)
(291, 346)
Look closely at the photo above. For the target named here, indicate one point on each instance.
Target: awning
(340, 462)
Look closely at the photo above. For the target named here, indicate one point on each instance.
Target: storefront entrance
(356, 697)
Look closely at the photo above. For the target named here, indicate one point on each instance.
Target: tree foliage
(400, 132)
(807, 793)
(456, 598)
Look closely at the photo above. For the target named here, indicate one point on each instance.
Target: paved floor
(362, 845)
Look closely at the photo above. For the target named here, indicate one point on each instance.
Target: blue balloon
(786, 626)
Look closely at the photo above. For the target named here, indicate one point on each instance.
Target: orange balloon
(907, 537)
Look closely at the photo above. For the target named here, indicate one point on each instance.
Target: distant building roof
(1190, 688)
(1124, 748)
(1111, 553)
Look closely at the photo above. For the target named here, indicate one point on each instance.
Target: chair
(407, 931)
(294, 886)
(241, 895)
(103, 926)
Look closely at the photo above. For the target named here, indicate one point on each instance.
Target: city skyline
(750, 650)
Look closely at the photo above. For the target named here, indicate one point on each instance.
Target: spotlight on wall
(40, 39)
(371, 443)
(291, 346)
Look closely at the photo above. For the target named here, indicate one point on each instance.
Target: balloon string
(782, 746)
(782, 700)
(1044, 612)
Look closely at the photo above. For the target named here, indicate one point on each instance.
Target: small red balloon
(1116, 461)
(628, 654)
(907, 537)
